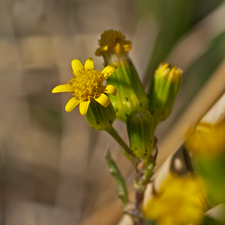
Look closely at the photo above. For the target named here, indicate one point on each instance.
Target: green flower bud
(100, 117)
(164, 88)
(140, 128)
(130, 92)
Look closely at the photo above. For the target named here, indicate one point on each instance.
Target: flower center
(111, 38)
(87, 84)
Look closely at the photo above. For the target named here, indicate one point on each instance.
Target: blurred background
(52, 163)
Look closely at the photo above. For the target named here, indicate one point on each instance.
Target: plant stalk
(125, 149)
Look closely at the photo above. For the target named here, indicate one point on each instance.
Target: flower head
(177, 202)
(113, 41)
(87, 85)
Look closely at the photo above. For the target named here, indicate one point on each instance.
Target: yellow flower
(113, 41)
(176, 203)
(87, 85)
(207, 139)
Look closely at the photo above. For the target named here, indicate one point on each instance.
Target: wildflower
(164, 88)
(176, 203)
(87, 85)
(207, 139)
(140, 128)
(131, 96)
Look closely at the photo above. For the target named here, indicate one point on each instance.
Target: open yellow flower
(87, 85)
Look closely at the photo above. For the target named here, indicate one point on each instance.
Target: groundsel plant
(124, 98)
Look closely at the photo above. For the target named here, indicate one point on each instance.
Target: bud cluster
(140, 111)
(123, 97)
(116, 92)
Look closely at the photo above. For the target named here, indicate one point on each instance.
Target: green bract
(100, 117)
(140, 128)
(130, 93)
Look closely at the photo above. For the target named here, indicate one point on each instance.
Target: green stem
(143, 178)
(125, 149)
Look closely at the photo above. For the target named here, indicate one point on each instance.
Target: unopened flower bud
(100, 117)
(164, 88)
(140, 128)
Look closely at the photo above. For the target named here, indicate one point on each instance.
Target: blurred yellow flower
(87, 85)
(176, 203)
(113, 41)
(207, 139)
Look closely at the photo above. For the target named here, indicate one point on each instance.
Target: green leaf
(212, 169)
(123, 194)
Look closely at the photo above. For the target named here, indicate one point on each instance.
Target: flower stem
(149, 167)
(125, 149)
(143, 179)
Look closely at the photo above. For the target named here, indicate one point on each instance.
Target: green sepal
(164, 88)
(140, 128)
(100, 117)
(130, 93)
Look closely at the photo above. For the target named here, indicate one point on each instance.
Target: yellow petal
(110, 89)
(84, 107)
(89, 64)
(103, 100)
(71, 104)
(108, 70)
(76, 66)
(62, 88)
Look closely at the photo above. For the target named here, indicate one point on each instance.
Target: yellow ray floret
(169, 70)
(113, 41)
(87, 85)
